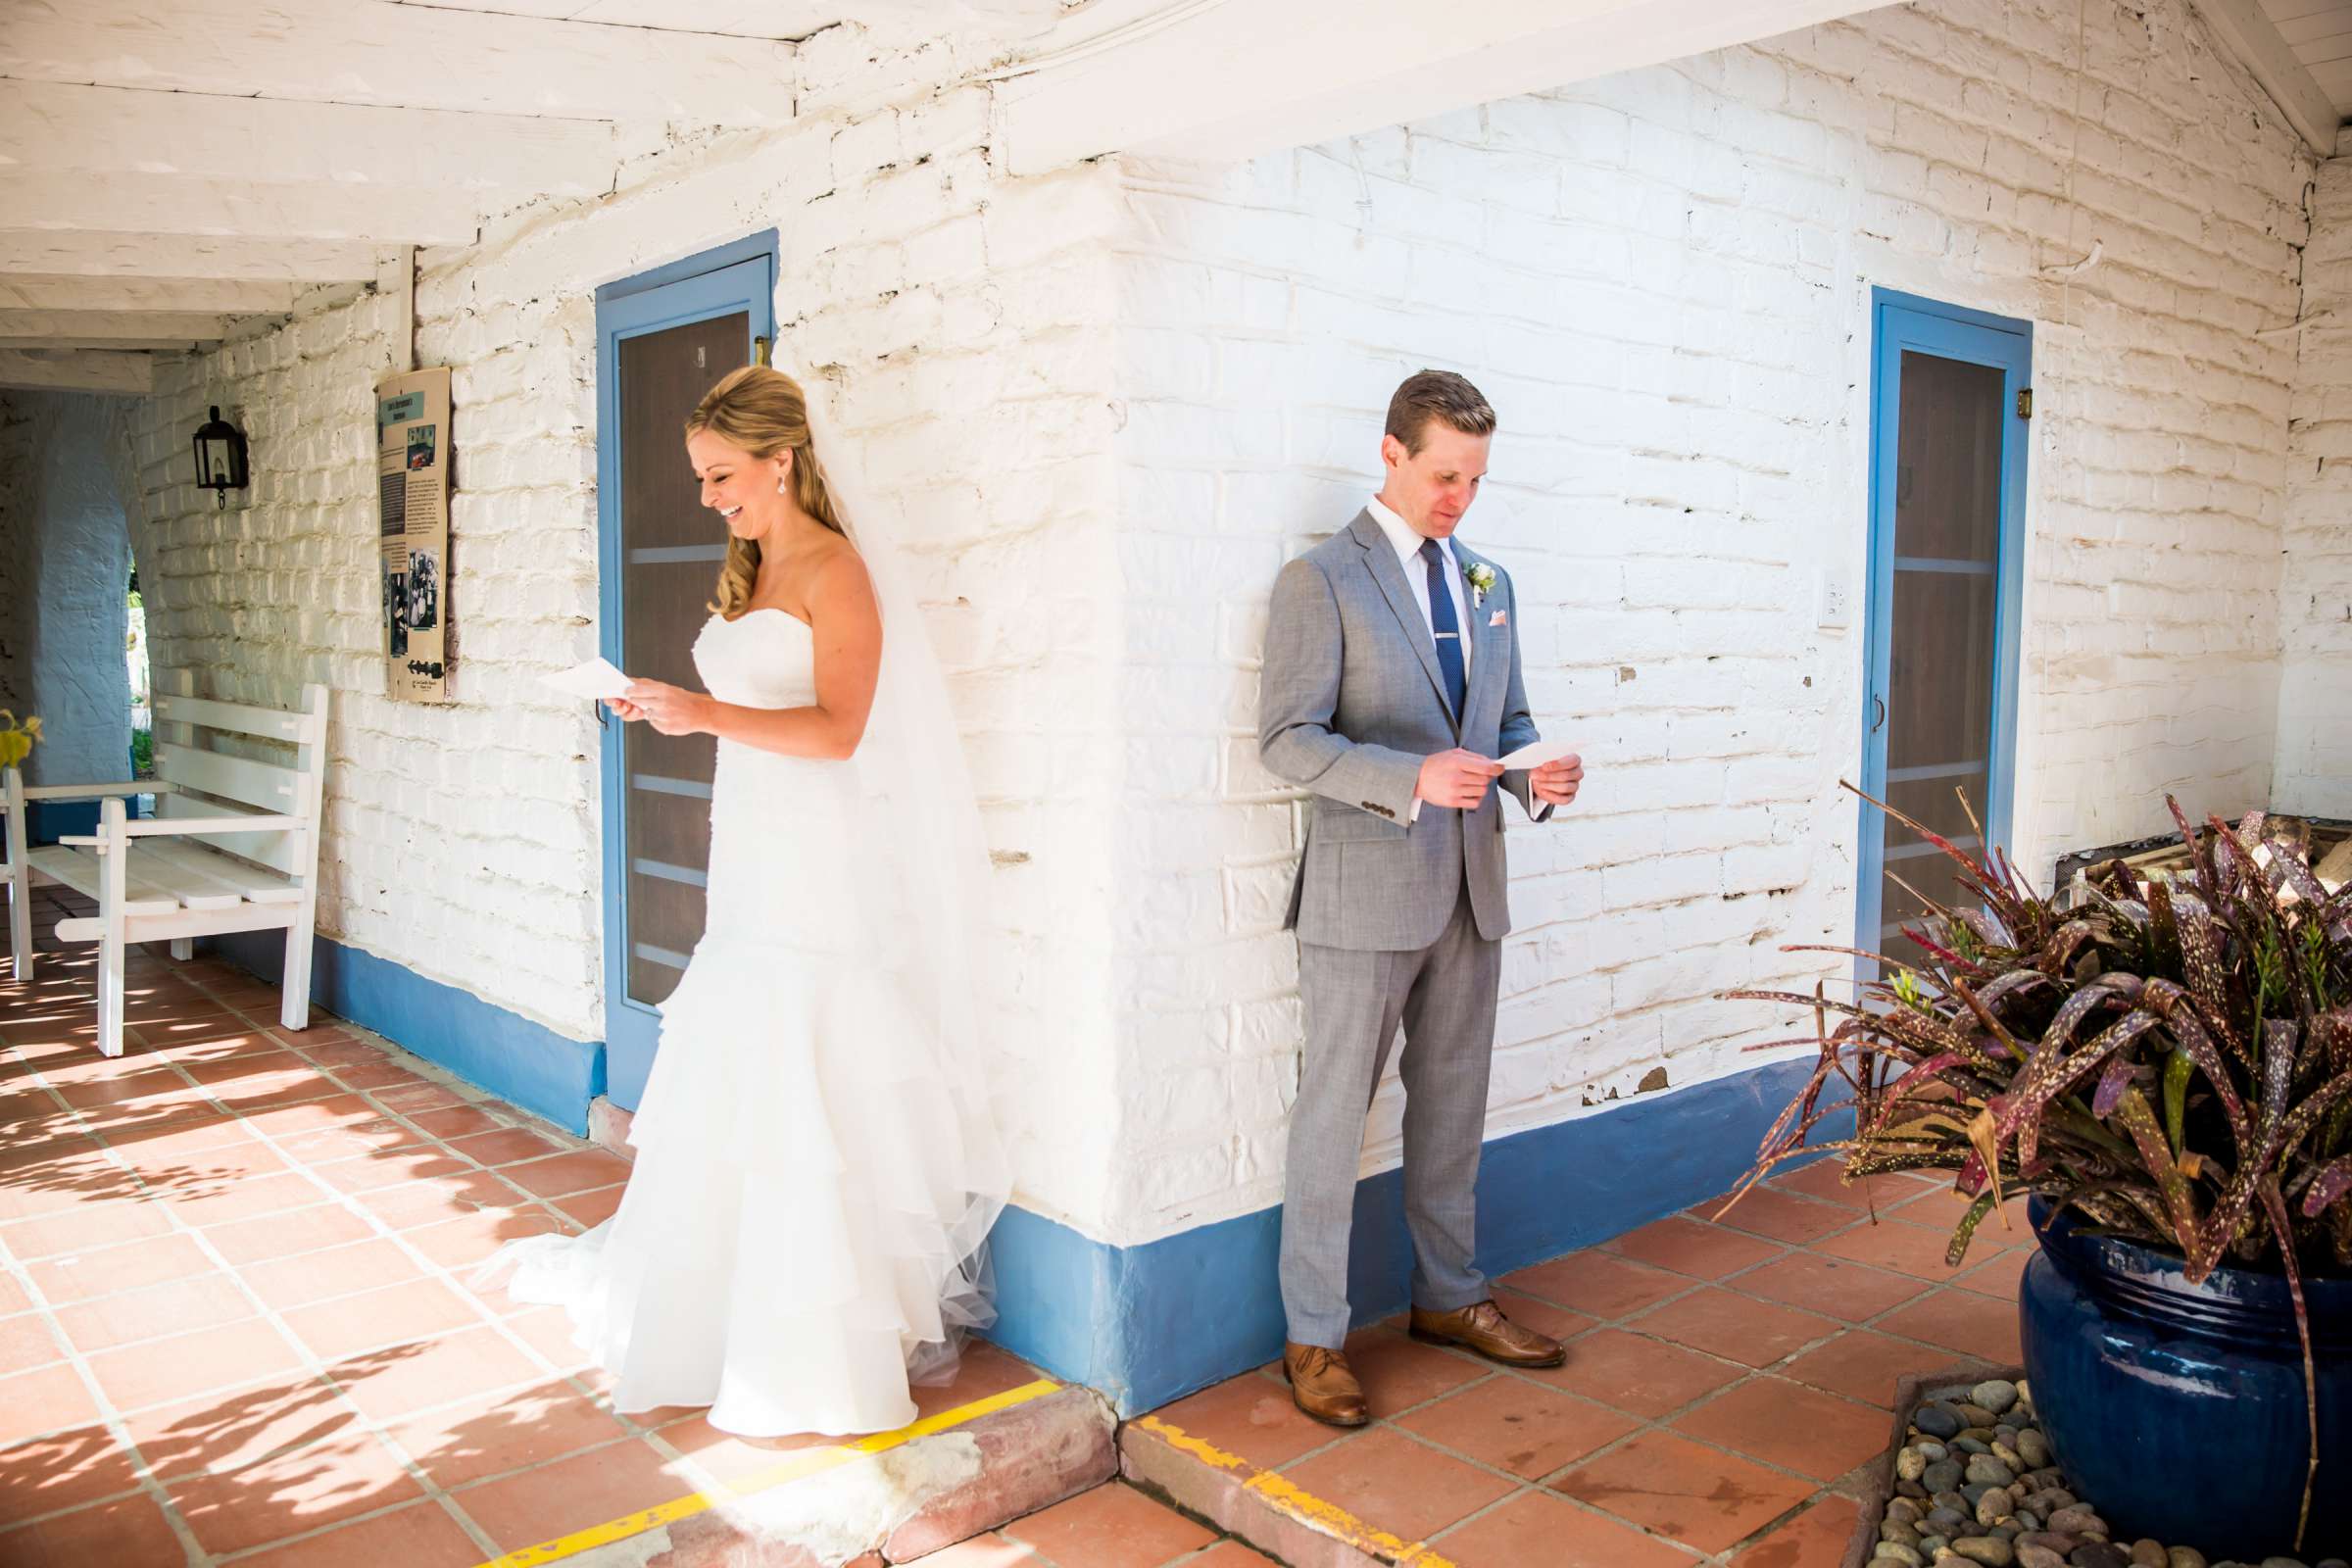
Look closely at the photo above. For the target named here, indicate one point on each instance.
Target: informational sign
(411, 482)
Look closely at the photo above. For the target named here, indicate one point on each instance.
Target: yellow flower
(15, 746)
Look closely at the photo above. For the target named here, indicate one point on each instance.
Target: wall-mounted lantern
(219, 456)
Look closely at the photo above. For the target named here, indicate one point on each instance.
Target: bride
(816, 1166)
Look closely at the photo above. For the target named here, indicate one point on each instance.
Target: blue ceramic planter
(2179, 1408)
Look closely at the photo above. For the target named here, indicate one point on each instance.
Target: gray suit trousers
(1444, 995)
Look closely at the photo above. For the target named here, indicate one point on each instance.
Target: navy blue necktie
(1448, 630)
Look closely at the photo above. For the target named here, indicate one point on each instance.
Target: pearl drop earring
(782, 485)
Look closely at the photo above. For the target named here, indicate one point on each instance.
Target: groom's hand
(1457, 779)
(1556, 782)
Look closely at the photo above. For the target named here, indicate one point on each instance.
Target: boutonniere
(1481, 579)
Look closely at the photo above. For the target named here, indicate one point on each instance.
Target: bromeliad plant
(2173, 1060)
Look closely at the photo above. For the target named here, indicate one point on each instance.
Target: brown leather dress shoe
(1322, 1386)
(1482, 1327)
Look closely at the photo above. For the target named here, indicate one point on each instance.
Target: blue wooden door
(1948, 443)
(663, 340)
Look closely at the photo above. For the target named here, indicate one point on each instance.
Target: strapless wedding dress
(803, 1225)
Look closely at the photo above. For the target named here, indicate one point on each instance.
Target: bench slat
(238, 778)
(271, 723)
(193, 890)
(280, 852)
(213, 871)
(79, 872)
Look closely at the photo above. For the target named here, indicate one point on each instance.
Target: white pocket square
(1500, 617)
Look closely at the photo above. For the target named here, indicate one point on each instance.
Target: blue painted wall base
(47, 821)
(515, 1058)
(1148, 1324)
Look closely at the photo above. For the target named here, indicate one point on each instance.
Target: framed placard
(412, 485)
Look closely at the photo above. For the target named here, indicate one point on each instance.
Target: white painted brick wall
(1662, 280)
(968, 319)
(2314, 698)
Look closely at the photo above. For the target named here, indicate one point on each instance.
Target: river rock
(1890, 1553)
(1938, 1421)
(1905, 1509)
(1990, 1550)
(1910, 1464)
(2078, 1521)
(2281, 1562)
(2185, 1558)
(2147, 1552)
(2099, 1554)
(1944, 1521)
(1988, 1470)
(1965, 1443)
(1995, 1506)
(2030, 1555)
(1895, 1530)
(2050, 1540)
(2033, 1448)
(1943, 1476)
(1997, 1394)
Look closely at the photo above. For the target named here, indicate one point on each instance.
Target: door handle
(1878, 722)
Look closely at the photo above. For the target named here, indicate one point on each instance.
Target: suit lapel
(1489, 665)
(1380, 560)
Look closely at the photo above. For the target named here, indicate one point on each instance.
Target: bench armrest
(97, 792)
(161, 826)
(81, 840)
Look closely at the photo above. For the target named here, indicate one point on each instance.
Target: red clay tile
(1783, 1216)
(409, 1099)
(63, 1471)
(499, 1432)
(991, 1550)
(1391, 1482)
(1112, 1526)
(985, 1369)
(159, 1371)
(1644, 1377)
(290, 1282)
(1819, 1535)
(592, 1208)
(1700, 1496)
(1251, 1416)
(246, 1200)
(547, 1330)
(1398, 1373)
(302, 1230)
(1692, 1247)
(129, 1531)
(84, 1226)
(1229, 1554)
(1851, 1292)
(1596, 1283)
(178, 1306)
(1894, 1244)
(1514, 1425)
(1542, 1316)
(235, 1072)
(351, 1473)
(459, 1243)
(561, 1174)
(48, 1399)
(571, 1494)
(310, 1115)
(407, 1378)
(13, 1298)
(1863, 1365)
(1537, 1528)
(438, 1199)
(351, 1140)
(237, 1428)
(1999, 1276)
(504, 1146)
(1734, 1327)
(25, 1342)
(456, 1121)
(83, 1276)
(378, 1074)
(394, 1314)
(392, 1167)
(1789, 1425)
(730, 1458)
(419, 1536)
(1961, 1320)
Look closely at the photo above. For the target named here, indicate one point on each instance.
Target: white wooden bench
(16, 869)
(233, 846)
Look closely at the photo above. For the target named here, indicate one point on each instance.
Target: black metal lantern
(219, 456)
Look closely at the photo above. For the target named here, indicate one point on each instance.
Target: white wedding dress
(816, 1171)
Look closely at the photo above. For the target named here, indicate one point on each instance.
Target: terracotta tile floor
(1726, 1386)
(234, 1322)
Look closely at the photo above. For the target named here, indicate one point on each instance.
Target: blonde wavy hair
(763, 412)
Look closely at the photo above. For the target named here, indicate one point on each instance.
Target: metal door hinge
(760, 351)
(2025, 403)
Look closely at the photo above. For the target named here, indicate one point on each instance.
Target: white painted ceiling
(2319, 34)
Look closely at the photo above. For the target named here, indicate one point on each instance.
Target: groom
(1391, 683)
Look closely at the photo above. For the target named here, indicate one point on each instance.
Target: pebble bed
(1975, 1482)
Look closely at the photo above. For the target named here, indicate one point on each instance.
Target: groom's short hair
(1428, 395)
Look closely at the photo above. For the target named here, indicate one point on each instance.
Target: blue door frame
(1906, 322)
(737, 278)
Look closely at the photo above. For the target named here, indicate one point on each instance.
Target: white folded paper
(596, 679)
(1536, 754)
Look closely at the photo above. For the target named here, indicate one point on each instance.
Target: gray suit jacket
(1351, 700)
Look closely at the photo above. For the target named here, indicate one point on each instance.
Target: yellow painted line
(808, 1462)
(1329, 1518)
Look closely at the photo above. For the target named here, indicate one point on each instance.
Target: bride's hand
(670, 710)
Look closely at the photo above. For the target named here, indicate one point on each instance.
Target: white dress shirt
(1407, 545)
(1416, 573)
